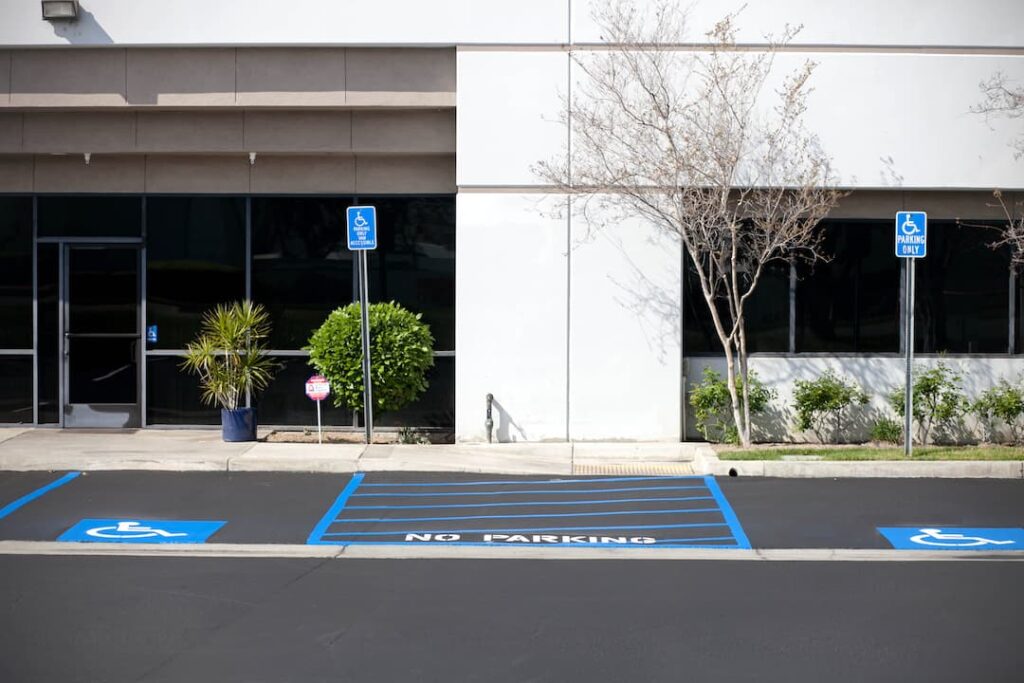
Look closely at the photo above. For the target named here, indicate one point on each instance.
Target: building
(158, 158)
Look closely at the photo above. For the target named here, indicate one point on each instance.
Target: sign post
(911, 244)
(318, 388)
(362, 237)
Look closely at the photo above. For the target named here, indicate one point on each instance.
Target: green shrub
(1004, 402)
(938, 399)
(229, 355)
(712, 405)
(822, 401)
(401, 352)
(887, 429)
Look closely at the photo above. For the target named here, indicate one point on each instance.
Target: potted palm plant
(230, 358)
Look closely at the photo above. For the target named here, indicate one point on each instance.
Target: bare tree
(1003, 99)
(679, 136)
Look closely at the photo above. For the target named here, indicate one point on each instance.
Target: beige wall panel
(190, 131)
(411, 131)
(68, 78)
(405, 174)
(5, 78)
(197, 174)
(80, 131)
(946, 205)
(291, 77)
(15, 174)
(181, 77)
(10, 131)
(103, 174)
(304, 174)
(408, 77)
(298, 131)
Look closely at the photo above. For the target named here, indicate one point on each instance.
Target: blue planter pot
(238, 424)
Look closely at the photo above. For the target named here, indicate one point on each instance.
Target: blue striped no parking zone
(668, 512)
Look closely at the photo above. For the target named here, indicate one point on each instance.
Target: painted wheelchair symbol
(908, 227)
(359, 221)
(131, 530)
(935, 537)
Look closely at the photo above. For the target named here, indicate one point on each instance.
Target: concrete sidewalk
(203, 450)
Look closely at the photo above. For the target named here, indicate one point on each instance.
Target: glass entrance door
(102, 337)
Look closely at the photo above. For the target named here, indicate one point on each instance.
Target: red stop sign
(317, 387)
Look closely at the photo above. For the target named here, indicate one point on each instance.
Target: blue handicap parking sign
(362, 227)
(140, 531)
(911, 234)
(953, 538)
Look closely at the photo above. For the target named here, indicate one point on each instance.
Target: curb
(934, 469)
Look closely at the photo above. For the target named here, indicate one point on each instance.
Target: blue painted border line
(521, 531)
(11, 507)
(610, 501)
(727, 512)
(316, 535)
(611, 513)
(445, 494)
(510, 482)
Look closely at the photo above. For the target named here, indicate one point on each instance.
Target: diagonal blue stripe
(28, 498)
(511, 482)
(339, 504)
(388, 520)
(610, 501)
(528, 492)
(727, 512)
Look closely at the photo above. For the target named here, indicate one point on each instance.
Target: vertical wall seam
(35, 312)
(568, 232)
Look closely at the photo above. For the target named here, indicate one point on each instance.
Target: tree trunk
(730, 380)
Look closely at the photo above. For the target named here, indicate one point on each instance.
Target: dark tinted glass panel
(15, 272)
(102, 370)
(16, 389)
(49, 340)
(90, 216)
(414, 263)
(435, 409)
(301, 265)
(173, 397)
(851, 302)
(285, 401)
(766, 312)
(195, 259)
(103, 289)
(962, 292)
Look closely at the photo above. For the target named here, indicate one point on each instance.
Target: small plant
(887, 430)
(712, 405)
(822, 401)
(409, 435)
(229, 355)
(1003, 402)
(938, 399)
(401, 352)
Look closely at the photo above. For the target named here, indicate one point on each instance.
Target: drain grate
(637, 468)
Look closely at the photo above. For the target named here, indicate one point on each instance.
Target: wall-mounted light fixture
(60, 10)
(88, 157)
(252, 158)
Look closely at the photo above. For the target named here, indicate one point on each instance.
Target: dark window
(195, 259)
(15, 272)
(16, 389)
(92, 216)
(173, 397)
(301, 265)
(285, 401)
(766, 313)
(47, 266)
(435, 408)
(851, 302)
(963, 290)
(414, 263)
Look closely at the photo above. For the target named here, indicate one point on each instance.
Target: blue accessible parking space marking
(675, 512)
(141, 531)
(953, 538)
